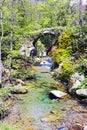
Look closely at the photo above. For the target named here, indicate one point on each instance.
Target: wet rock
(50, 118)
(28, 129)
(83, 101)
(57, 94)
(54, 112)
(82, 92)
(37, 61)
(62, 128)
(45, 63)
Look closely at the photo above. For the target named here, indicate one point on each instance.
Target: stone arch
(44, 33)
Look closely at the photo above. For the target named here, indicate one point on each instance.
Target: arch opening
(44, 42)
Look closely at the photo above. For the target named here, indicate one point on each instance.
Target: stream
(36, 111)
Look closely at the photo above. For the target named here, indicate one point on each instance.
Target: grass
(4, 126)
(4, 92)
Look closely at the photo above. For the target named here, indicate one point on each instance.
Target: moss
(83, 84)
(24, 74)
(19, 90)
(66, 72)
(65, 40)
(4, 126)
(60, 55)
(4, 93)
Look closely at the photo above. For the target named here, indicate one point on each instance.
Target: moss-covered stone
(19, 90)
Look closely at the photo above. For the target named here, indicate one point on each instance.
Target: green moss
(60, 55)
(81, 66)
(4, 126)
(83, 84)
(67, 70)
(24, 74)
(4, 92)
(65, 40)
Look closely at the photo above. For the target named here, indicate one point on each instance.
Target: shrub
(24, 74)
(66, 71)
(60, 55)
(83, 84)
(81, 67)
(4, 126)
(65, 41)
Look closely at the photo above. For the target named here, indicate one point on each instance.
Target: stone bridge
(53, 32)
(36, 35)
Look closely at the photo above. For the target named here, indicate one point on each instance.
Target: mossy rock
(19, 90)
(52, 117)
(82, 92)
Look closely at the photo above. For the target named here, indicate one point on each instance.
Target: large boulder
(57, 94)
(18, 89)
(26, 49)
(75, 80)
(82, 92)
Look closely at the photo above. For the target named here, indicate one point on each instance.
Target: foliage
(83, 84)
(4, 107)
(24, 74)
(60, 55)
(4, 126)
(81, 67)
(40, 48)
(4, 92)
(32, 16)
(66, 72)
(65, 40)
(15, 53)
(3, 111)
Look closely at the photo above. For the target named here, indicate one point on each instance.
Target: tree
(1, 41)
(80, 13)
(11, 43)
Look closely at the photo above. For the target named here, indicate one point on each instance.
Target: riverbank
(36, 111)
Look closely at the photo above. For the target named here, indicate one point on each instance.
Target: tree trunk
(1, 40)
(80, 14)
(11, 43)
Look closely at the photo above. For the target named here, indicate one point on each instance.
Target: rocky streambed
(36, 111)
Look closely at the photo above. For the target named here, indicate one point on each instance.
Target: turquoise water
(36, 111)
